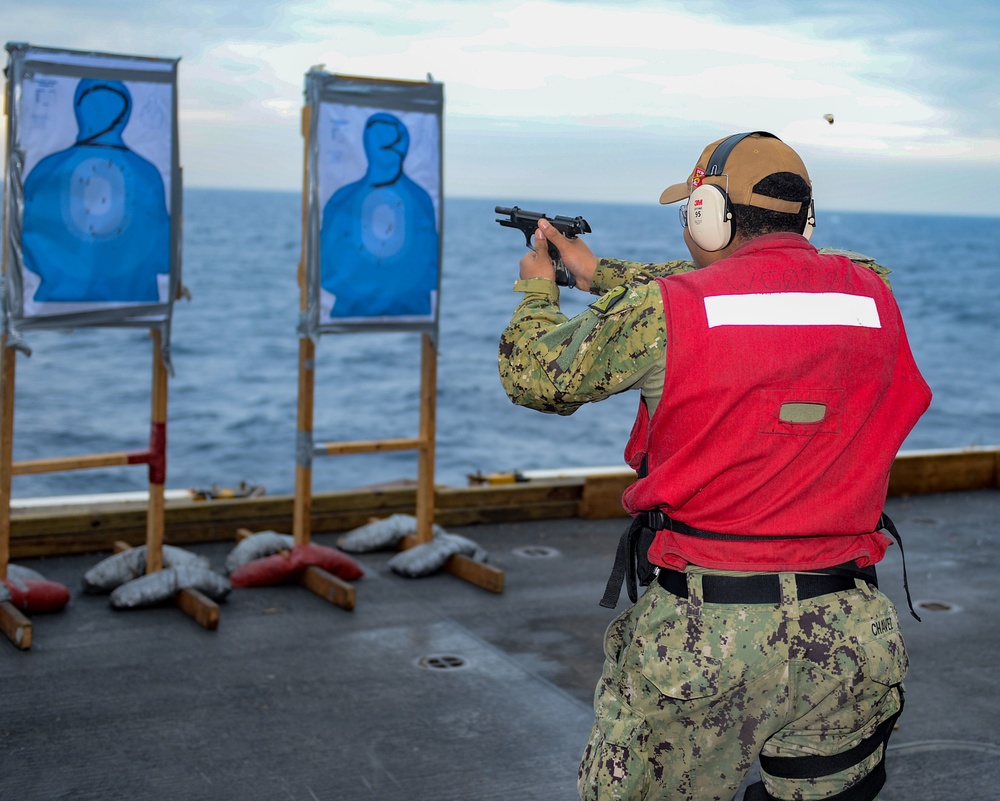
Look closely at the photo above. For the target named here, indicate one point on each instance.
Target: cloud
(628, 81)
(945, 54)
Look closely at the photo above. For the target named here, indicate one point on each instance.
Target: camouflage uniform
(693, 692)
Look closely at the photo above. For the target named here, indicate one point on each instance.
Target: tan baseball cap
(736, 164)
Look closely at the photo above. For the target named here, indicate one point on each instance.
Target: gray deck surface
(293, 698)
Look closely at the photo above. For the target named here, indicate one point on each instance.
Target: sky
(595, 101)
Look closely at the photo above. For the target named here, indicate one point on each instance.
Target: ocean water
(232, 401)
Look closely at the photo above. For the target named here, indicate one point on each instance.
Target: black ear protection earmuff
(708, 214)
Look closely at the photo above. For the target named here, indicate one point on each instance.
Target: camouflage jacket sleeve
(555, 364)
(616, 272)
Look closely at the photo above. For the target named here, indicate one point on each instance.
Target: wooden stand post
(478, 573)
(158, 459)
(302, 508)
(14, 624)
(428, 434)
(302, 505)
(196, 605)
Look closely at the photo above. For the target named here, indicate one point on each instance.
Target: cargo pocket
(614, 763)
(679, 674)
(614, 636)
(884, 655)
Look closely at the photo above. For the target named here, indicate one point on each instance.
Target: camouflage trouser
(693, 692)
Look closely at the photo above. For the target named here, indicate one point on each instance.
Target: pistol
(527, 221)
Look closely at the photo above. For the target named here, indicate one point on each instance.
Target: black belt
(760, 588)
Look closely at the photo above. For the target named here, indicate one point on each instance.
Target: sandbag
(329, 559)
(37, 596)
(131, 564)
(429, 557)
(381, 535)
(164, 584)
(257, 546)
(32, 593)
(280, 567)
(21, 572)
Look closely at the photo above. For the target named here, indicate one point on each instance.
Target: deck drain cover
(940, 770)
(536, 552)
(442, 662)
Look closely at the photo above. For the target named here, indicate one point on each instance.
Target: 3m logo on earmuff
(710, 218)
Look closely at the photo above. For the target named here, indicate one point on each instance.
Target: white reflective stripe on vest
(792, 308)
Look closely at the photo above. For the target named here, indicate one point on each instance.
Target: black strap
(885, 523)
(759, 588)
(851, 570)
(865, 790)
(717, 162)
(631, 562)
(661, 521)
(758, 792)
(629, 553)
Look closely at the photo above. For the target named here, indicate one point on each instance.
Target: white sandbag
(178, 557)
(257, 546)
(17, 575)
(4, 593)
(115, 570)
(381, 535)
(21, 573)
(130, 564)
(162, 585)
(429, 557)
(467, 547)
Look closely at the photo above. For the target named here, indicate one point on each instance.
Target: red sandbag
(330, 559)
(282, 566)
(262, 572)
(37, 596)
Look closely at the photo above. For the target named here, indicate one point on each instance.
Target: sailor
(776, 386)
(96, 226)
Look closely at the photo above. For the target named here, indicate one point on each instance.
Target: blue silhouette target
(379, 237)
(96, 226)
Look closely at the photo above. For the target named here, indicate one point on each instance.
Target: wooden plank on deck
(328, 586)
(15, 625)
(199, 607)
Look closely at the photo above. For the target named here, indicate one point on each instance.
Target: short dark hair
(752, 221)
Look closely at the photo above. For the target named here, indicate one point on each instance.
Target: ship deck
(433, 688)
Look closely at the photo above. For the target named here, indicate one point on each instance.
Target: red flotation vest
(790, 386)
